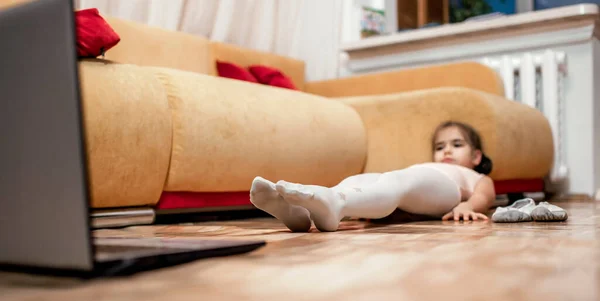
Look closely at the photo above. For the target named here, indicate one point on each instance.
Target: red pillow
(231, 70)
(272, 77)
(94, 35)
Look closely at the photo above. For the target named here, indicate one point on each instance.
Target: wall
(596, 116)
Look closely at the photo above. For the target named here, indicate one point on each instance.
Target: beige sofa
(158, 119)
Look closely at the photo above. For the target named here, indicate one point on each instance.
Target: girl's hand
(465, 211)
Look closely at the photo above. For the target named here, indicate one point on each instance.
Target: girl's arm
(483, 196)
(480, 202)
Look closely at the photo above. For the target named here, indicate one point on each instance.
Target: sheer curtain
(309, 30)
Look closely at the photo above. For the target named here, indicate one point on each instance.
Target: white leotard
(465, 178)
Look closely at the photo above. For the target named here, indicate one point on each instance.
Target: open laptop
(44, 193)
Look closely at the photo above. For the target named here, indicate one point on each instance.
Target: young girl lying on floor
(454, 186)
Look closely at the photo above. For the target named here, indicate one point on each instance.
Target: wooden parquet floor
(428, 260)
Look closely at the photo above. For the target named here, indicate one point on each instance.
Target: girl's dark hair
(472, 138)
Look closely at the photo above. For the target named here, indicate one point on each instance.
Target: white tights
(417, 189)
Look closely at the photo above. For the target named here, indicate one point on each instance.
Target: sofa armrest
(516, 137)
(128, 133)
(227, 131)
(466, 74)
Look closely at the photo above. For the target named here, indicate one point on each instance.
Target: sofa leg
(122, 217)
(513, 197)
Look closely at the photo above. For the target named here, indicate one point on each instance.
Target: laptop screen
(44, 219)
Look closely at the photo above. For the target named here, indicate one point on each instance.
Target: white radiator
(536, 79)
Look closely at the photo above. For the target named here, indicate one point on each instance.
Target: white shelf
(518, 20)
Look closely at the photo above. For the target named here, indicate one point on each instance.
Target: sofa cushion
(128, 131)
(516, 137)
(226, 132)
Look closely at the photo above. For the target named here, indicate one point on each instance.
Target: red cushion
(272, 77)
(231, 70)
(94, 35)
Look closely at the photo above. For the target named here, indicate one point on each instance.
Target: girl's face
(451, 147)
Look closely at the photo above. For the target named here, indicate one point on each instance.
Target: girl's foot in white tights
(264, 196)
(324, 204)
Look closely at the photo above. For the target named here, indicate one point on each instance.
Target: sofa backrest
(245, 57)
(472, 75)
(145, 45)
(152, 46)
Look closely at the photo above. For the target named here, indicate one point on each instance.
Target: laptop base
(128, 263)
